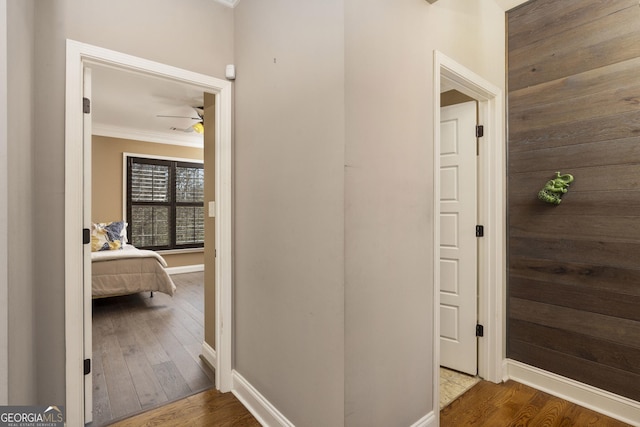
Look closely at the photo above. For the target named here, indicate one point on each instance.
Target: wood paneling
(574, 107)
(543, 19)
(605, 40)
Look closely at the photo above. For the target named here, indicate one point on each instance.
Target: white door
(458, 241)
(86, 220)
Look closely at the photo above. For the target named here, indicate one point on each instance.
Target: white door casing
(458, 246)
(491, 214)
(86, 249)
(79, 56)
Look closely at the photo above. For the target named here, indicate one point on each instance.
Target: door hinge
(86, 105)
(479, 330)
(479, 230)
(87, 366)
(86, 236)
(479, 131)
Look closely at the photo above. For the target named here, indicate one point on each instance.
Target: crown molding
(229, 3)
(185, 140)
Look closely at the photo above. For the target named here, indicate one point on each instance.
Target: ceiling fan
(197, 127)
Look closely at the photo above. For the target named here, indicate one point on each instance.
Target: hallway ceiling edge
(229, 3)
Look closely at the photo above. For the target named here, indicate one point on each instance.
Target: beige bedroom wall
(107, 181)
(209, 223)
(196, 35)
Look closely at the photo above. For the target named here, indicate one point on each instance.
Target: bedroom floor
(146, 351)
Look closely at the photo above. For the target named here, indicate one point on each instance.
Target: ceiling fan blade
(185, 130)
(179, 117)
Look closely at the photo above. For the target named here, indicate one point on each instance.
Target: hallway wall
(334, 153)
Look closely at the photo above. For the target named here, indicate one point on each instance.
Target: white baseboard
(266, 414)
(209, 354)
(185, 269)
(604, 402)
(428, 420)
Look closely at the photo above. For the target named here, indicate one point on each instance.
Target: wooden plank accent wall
(574, 269)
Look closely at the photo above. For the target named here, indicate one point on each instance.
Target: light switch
(212, 209)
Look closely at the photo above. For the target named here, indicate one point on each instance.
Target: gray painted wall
(4, 213)
(20, 237)
(160, 30)
(389, 192)
(309, 133)
(289, 204)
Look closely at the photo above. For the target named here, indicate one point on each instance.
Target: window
(165, 203)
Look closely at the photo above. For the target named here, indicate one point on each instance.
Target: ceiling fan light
(198, 127)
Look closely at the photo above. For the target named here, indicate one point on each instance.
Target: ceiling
(126, 105)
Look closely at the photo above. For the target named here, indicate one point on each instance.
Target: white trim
(73, 205)
(4, 214)
(429, 420)
(209, 354)
(185, 269)
(223, 239)
(257, 404)
(156, 157)
(79, 54)
(491, 277)
(181, 251)
(229, 3)
(181, 139)
(604, 402)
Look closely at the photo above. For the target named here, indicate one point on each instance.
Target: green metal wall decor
(554, 189)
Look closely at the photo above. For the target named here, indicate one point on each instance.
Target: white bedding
(128, 271)
(127, 251)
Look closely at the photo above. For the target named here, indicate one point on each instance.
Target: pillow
(108, 236)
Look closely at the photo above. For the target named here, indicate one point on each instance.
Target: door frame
(78, 54)
(491, 214)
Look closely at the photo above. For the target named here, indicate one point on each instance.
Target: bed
(121, 269)
(129, 271)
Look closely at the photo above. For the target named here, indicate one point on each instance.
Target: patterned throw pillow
(108, 236)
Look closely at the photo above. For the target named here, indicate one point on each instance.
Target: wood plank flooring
(146, 351)
(209, 408)
(515, 404)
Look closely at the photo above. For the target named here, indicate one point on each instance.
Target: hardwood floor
(209, 408)
(515, 404)
(146, 351)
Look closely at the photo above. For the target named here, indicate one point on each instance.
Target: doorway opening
(450, 75)
(77, 171)
(459, 193)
